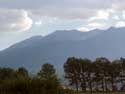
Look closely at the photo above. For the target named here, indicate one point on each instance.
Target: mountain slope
(109, 43)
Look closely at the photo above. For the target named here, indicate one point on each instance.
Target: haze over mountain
(58, 46)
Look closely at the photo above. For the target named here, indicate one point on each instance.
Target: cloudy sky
(21, 19)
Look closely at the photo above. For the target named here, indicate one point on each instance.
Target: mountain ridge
(105, 44)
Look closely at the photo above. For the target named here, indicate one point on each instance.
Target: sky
(22, 19)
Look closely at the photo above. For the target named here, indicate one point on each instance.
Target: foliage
(19, 82)
(99, 75)
(83, 76)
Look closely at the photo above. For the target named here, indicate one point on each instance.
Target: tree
(97, 75)
(22, 73)
(90, 76)
(6, 73)
(47, 72)
(103, 66)
(84, 63)
(49, 79)
(122, 60)
(72, 72)
(114, 72)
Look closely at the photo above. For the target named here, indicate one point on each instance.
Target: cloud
(65, 13)
(120, 24)
(59, 8)
(73, 9)
(101, 15)
(37, 4)
(118, 5)
(83, 29)
(93, 13)
(14, 20)
(96, 25)
(38, 23)
(106, 18)
(92, 26)
(69, 9)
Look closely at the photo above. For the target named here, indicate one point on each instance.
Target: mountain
(28, 42)
(71, 35)
(57, 47)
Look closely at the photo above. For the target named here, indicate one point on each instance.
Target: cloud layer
(63, 8)
(14, 20)
(15, 15)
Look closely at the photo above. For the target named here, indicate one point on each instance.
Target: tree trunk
(97, 88)
(103, 90)
(122, 82)
(77, 88)
(77, 91)
(90, 87)
(83, 88)
(83, 84)
(106, 86)
(112, 84)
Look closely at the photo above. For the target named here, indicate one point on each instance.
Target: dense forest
(82, 76)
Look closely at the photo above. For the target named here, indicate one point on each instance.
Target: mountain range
(58, 46)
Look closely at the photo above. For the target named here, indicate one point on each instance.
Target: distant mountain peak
(74, 30)
(62, 35)
(115, 28)
(112, 28)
